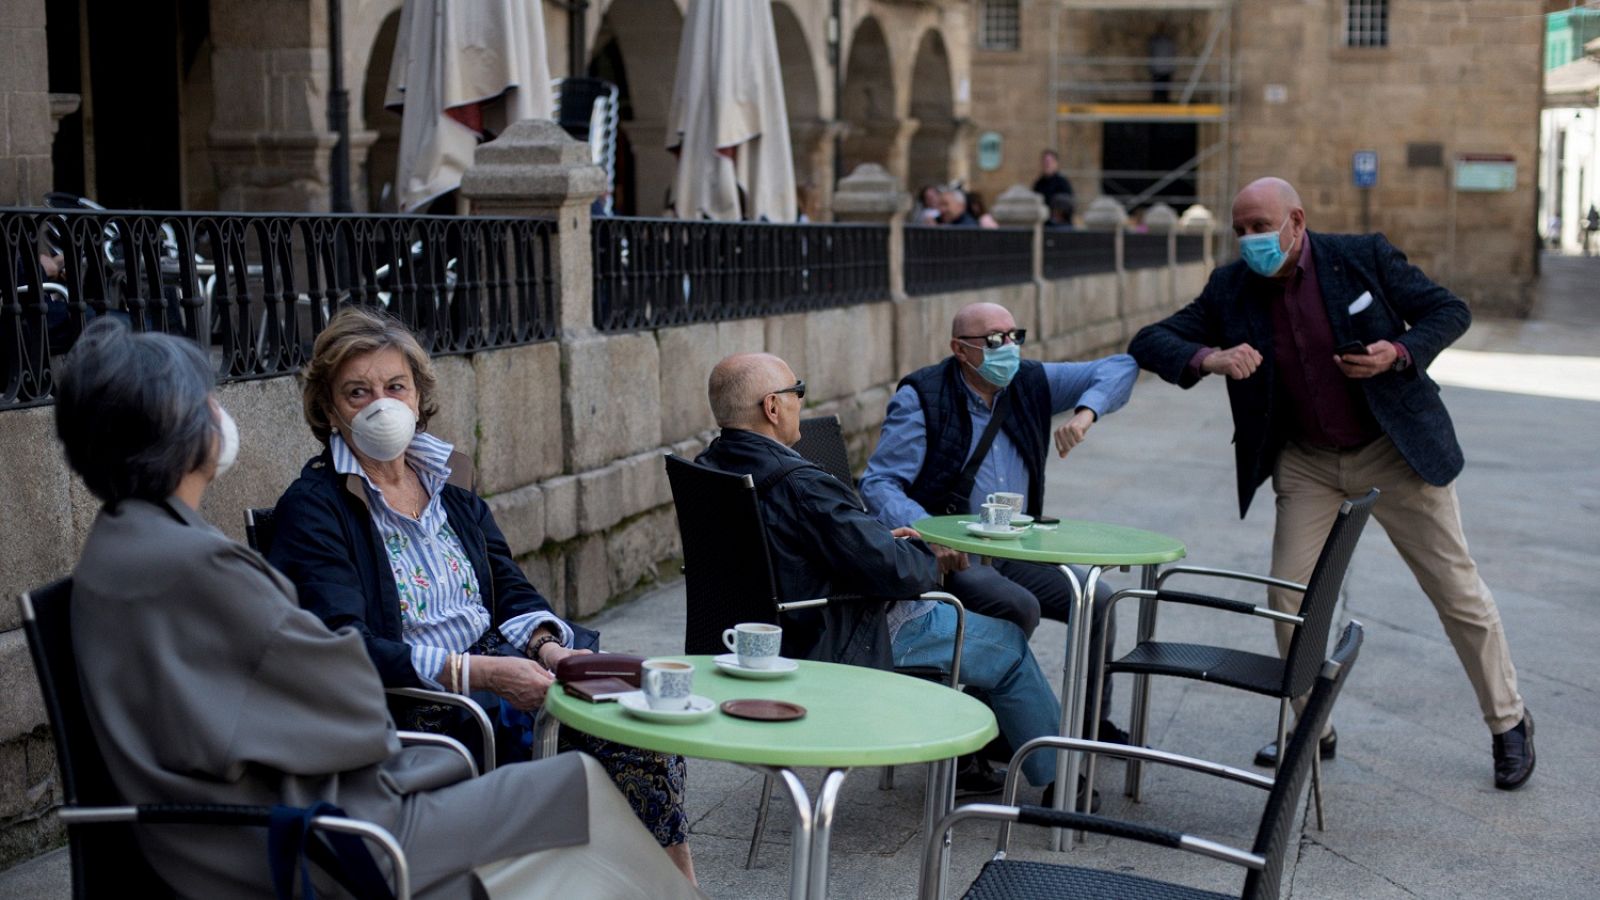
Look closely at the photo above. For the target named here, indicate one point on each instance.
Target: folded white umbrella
(462, 67)
(727, 122)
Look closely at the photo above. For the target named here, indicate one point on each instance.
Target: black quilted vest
(944, 408)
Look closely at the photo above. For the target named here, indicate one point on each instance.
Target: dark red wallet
(597, 690)
(600, 665)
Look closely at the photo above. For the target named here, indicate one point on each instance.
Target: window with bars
(1366, 23)
(999, 25)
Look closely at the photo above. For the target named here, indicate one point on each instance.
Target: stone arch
(933, 110)
(867, 107)
(636, 46)
(383, 125)
(809, 135)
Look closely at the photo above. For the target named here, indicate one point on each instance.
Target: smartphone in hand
(1352, 348)
(1046, 520)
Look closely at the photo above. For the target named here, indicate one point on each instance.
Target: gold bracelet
(455, 673)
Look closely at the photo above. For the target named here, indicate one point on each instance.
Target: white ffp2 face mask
(383, 429)
(228, 448)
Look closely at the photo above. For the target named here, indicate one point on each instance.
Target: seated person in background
(980, 210)
(383, 533)
(953, 209)
(934, 426)
(824, 545)
(205, 682)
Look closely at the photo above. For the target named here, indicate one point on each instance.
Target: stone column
(1163, 219)
(534, 168)
(871, 195)
(1198, 220)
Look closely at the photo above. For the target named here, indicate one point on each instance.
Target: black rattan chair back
(1283, 803)
(727, 567)
(259, 528)
(1309, 647)
(822, 442)
(105, 858)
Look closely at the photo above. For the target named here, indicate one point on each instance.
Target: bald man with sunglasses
(928, 463)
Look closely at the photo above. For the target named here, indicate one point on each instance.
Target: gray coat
(205, 682)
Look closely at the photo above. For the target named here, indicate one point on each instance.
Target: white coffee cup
(757, 644)
(997, 515)
(667, 683)
(1009, 498)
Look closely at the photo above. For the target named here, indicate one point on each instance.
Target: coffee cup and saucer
(666, 693)
(755, 647)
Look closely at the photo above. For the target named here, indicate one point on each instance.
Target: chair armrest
(424, 739)
(961, 632)
(932, 883)
(1124, 751)
(1230, 574)
(240, 816)
(1205, 600)
(423, 695)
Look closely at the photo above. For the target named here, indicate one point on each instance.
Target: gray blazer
(205, 682)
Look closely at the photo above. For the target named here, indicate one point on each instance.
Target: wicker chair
(822, 442)
(1285, 678)
(1263, 862)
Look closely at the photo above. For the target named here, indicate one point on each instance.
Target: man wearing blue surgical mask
(1325, 340)
(931, 457)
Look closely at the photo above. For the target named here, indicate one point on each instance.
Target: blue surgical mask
(1262, 253)
(1000, 365)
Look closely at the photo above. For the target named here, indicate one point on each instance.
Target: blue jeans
(996, 658)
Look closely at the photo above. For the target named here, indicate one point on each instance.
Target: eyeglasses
(798, 389)
(994, 340)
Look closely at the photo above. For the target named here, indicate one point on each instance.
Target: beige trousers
(1424, 523)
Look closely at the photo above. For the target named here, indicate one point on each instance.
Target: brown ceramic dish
(763, 710)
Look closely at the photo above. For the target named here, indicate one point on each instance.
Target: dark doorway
(1136, 155)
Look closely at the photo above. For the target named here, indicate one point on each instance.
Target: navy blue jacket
(324, 540)
(823, 545)
(949, 427)
(1233, 309)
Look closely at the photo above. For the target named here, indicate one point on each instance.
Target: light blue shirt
(441, 604)
(1102, 386)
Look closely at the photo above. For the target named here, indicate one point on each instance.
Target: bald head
(739, 383)
(1272, 198)
(981, 318)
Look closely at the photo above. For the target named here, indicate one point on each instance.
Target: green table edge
(1156, 549)
(709, 738)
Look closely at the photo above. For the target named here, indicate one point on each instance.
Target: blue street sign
(1364, 168)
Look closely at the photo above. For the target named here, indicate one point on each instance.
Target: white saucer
(1021, 519)
(699, 708)
(1011, 533)
(729, 662)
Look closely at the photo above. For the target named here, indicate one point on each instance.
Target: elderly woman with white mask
(382, 533)
(205, 682)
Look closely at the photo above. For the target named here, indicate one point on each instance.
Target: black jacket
(1405, 304)
(823, 545)
(324, 540)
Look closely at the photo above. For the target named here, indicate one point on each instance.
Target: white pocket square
(1362, 302)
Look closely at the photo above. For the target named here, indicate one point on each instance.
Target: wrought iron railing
(1144, 251)
(1191, 248)
(1069, 253)
(941, 259)
(650, 273)
(254, 289)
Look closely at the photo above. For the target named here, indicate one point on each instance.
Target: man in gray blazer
(1325, 340)
(204, 681)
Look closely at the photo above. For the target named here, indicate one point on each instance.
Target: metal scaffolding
(1160, 88)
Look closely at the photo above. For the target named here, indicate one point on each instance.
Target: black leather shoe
(1111, 734)
(1267, 757)
(1049, 798)
(1513, 755)
(975, 778)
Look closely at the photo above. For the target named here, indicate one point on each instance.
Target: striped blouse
(441, 605)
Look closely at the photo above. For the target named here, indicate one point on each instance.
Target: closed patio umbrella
(463, 70)
(728, 123)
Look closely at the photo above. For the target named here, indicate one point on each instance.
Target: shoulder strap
(969, 472)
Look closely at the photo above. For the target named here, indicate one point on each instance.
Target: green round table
(855, 716)
(1096, 545)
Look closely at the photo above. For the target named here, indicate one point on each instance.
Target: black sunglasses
(798, 389)
(994, 340)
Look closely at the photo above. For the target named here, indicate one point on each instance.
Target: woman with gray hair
(204, 681)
